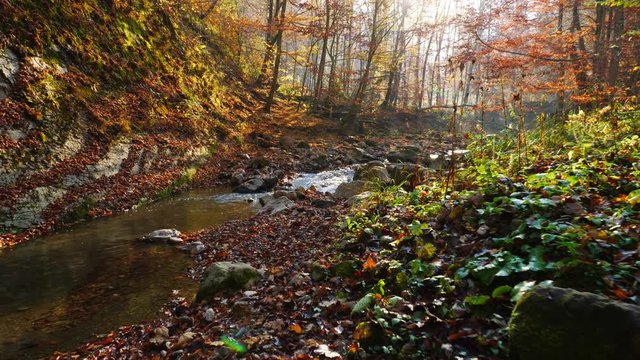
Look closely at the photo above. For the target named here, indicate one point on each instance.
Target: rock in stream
(164, 236)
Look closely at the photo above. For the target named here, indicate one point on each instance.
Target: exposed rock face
(223, 276)
(29, 208)
(9, 66)
(108, 166)
(555, 323)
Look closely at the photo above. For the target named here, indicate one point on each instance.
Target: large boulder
(407, 154)
(273, 206)
(226, 276)
(259, 162)
(356, 199)
(258, 184)
(554, 323)
(347, 190)
(374, 173)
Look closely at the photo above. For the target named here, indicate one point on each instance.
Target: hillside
(103, 103)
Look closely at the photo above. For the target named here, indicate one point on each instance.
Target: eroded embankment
(103, 104)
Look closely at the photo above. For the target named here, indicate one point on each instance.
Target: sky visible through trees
(399, 54)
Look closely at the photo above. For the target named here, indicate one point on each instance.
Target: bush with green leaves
(444, 270)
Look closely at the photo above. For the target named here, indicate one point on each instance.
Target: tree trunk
(581, 48)
(373, 47)
(268, 55)
(276, 65)
(323, 54)
(618, 29)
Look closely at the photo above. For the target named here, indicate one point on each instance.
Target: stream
(62, 290)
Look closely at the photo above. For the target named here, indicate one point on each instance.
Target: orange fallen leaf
(295, 328)
(370, 264)
(620, 294)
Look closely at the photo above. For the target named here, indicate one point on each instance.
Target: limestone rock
(209, 315)
(348, 190)
(276, 205)
(169, 236)
(407, 154)
(223, 276)
(193, 248)
(291, 195)
(554, 323)
(251, 186)
(356, 199)
(9, 66)
(374, 173)
(255, 185)
(259, 163)
(323, 203)
(28, 209)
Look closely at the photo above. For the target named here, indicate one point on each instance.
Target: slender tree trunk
(424, 72)
(268, 55)
(333, 56)
(581, 48)
(561, 112)
(599, 54)
(323, 54)
(276, 65)
(395, 64)
(373, 47)
(618, 29)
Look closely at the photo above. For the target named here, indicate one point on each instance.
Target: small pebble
(208, 315)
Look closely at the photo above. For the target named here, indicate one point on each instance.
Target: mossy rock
(373, 173)
(554, 323)
(347, 190)
(226, 276)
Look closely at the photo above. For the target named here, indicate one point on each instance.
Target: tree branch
(519, 53)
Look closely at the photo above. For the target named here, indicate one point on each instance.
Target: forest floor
(427, 271)
(289, 313)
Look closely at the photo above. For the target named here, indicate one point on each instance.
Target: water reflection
(56, 292)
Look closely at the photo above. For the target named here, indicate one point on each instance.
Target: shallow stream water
(62, 290)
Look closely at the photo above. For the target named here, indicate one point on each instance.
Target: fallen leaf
(370, 264)
(295, 328)
(326, 352)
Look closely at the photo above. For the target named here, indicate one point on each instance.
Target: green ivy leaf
(362, 304)
(233, 344)
(501, 291)
(477, 300)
